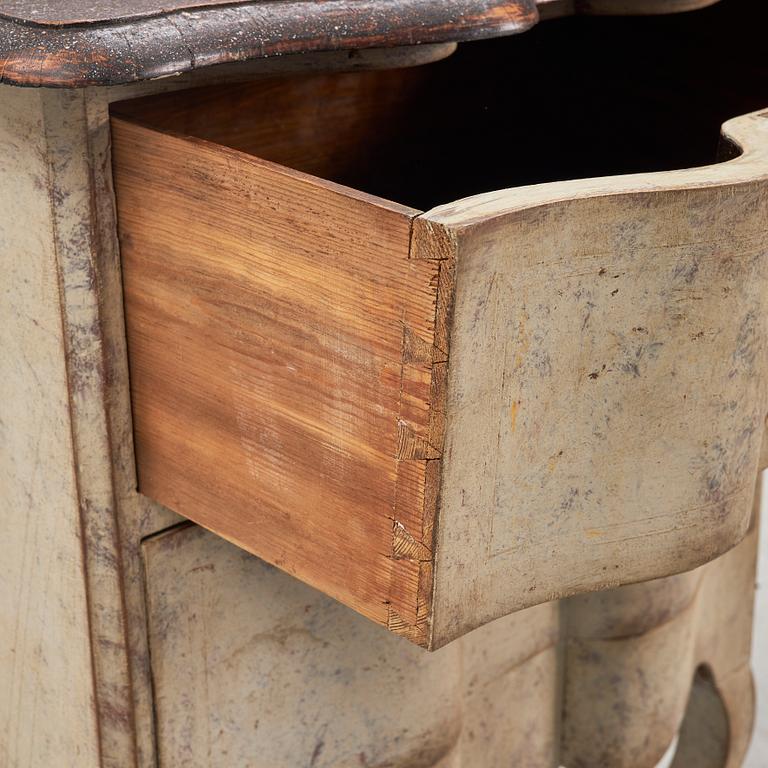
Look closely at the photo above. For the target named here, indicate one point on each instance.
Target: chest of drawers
(470, 342)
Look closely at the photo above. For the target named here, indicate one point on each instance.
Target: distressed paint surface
(106, 48)
(73, 44)
(510, 668)
(47, 712)
(605, 392)
(630, 657)
(581, 360)
(252, 667)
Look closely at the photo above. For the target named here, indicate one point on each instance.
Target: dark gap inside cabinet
(572, 98)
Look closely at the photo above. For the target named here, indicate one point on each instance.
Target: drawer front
(253, 668)
(606, 381)
(437, 418)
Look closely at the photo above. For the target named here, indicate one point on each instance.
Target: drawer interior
(573, 98)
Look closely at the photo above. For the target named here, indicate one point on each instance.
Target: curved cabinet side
(606, 388)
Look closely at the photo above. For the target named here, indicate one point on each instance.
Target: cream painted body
(253, 668)
(631, 454)
(76, 679)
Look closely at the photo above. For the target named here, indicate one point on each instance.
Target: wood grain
(74, 667)
(59, 13)
(292, 298)
(74, 583)
(62, 13)
(325, 124)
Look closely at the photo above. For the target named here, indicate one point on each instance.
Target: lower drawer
(252, 668)
(439, 418)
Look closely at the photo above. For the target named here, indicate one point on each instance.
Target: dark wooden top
(72, 12)
(74, 43)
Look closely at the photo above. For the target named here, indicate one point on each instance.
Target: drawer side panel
(271, 319)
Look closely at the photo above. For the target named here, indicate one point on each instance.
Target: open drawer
(439, 418)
